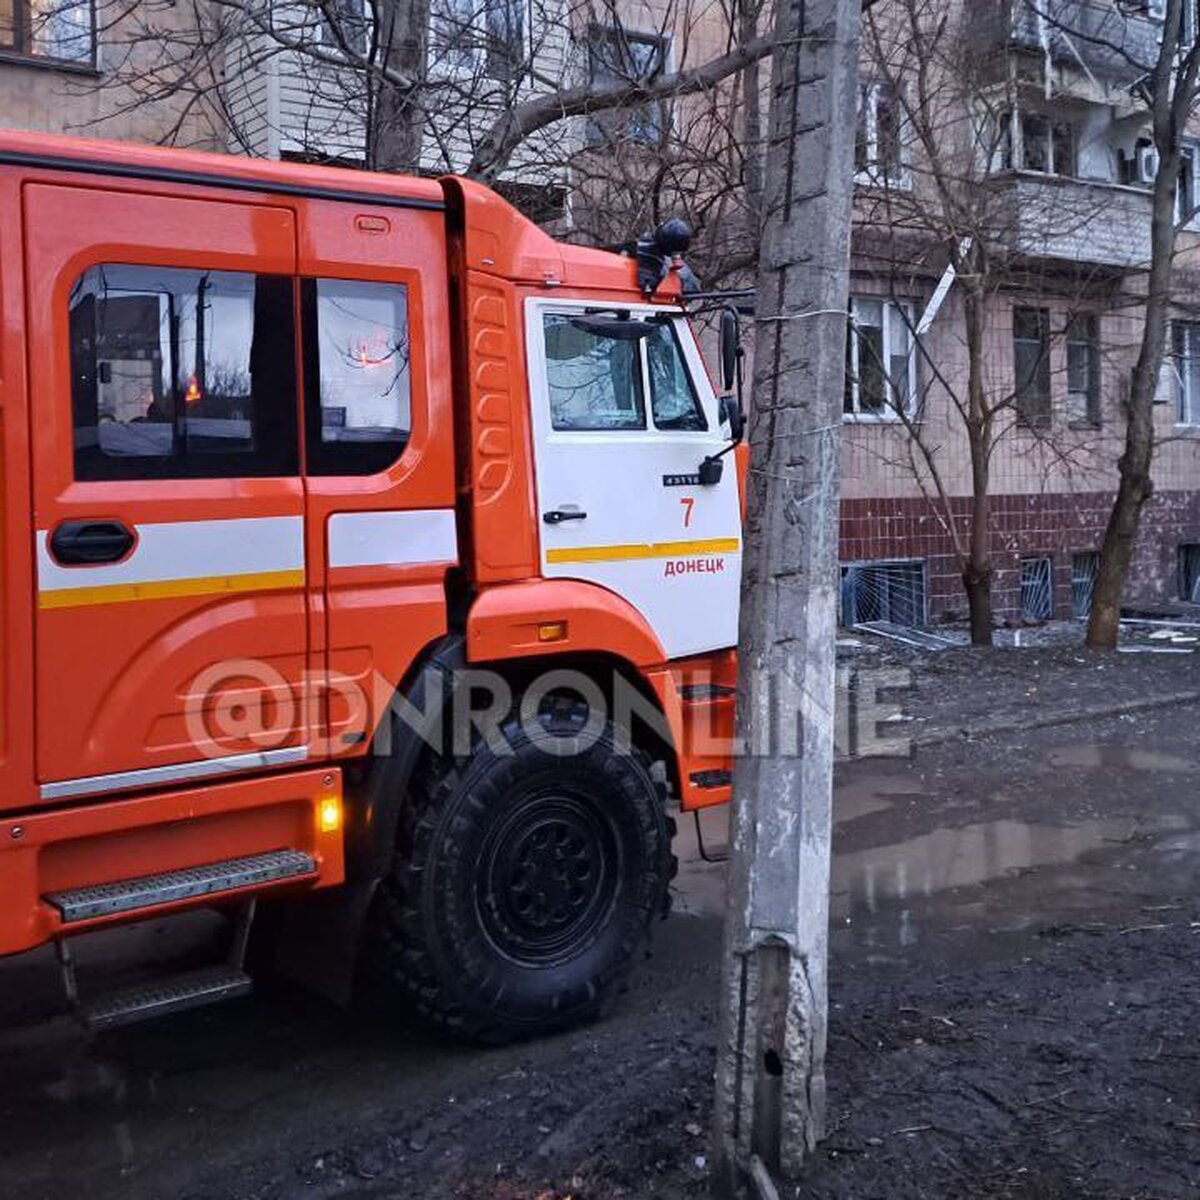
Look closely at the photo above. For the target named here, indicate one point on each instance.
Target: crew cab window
(594, 378)
(182, 374)
(673, 399)
(358, 374)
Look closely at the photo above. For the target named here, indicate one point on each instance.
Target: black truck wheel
(524, 883)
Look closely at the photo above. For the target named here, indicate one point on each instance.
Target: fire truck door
(623, 416)
(170, 630)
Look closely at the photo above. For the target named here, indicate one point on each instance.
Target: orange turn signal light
(552, 631)
(329, 815)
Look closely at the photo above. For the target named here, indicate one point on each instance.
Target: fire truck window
(182, 374)
(673, 398)
(358, 375)
(595, 381)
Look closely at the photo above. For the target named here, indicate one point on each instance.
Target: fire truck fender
(415, 723)
(557, 617)
(317, 944)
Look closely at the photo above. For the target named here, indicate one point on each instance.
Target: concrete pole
(770, 1101)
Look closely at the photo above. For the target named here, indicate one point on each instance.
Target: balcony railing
(1115, 43)
(1055, 220)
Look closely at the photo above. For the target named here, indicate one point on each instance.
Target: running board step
(153, 891)
(192, 990)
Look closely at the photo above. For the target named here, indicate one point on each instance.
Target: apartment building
(1037, 143)
(57, 60)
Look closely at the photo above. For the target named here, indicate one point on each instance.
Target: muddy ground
(1014, 1000)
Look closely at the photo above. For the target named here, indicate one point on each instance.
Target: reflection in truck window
(357, 338)
(595, 381)
(181, 374)
(673, 398)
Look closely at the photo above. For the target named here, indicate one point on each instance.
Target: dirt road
(1014, 999)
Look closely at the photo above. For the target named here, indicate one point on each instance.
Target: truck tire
(523, 883)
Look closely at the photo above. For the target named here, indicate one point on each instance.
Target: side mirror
(731, 411)
(731, 347)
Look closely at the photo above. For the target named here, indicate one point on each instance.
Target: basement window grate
(1084, 568)
(883, 591)
(1189, 573)
(1037, 589)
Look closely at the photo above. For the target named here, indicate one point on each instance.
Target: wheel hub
(548, 878)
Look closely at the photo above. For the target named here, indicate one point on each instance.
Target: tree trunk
(1135, 484)
(977, 573)
(396, 116)
(1171, 86)
(770, 1099)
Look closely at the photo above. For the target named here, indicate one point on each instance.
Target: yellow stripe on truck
(643, 550)
(169, 589)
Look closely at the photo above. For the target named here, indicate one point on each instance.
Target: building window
(892, 592)
(616, 56)
(880, 140)
(1084, 568)
(1083, 371)
(346, 23)
(56, 30)
(881, 366)
(505, 38)
(1031, 141)
(1187, 200)
(1031, 359)
(182, 374)
(1037, 589)
(1157, 10)
(1186, 347)
(358, 374)
(453, 43)
(1189, 573)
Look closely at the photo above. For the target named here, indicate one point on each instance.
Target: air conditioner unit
(1147, 164)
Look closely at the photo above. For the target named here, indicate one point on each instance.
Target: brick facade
(1057, 526)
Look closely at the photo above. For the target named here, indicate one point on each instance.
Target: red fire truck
(299, 464)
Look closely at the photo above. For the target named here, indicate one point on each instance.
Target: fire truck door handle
(82, 543)
(556, 516)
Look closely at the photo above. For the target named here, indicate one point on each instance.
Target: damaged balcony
(1098, 47)
(1052, 219)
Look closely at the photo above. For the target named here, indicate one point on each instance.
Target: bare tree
(490, 88)
(934, 149)
(1162, 64)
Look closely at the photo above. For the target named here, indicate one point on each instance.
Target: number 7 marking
(687, 502)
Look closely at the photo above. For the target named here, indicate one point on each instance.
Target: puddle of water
(857, 798)
(956, 858)
(1135, 758)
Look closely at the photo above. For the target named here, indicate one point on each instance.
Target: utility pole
(770, 1101)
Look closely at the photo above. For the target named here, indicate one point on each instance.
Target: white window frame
(474, 55)
(1187, 207)
(665, 42)
(868, 114)
(1187, 405)
(364, 14)
(890, 312)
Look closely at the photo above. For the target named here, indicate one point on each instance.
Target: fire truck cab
(363, 563)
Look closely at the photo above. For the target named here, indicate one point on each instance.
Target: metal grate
(1189, 573)
(1037, 589)
(1084, 567)
(884, 591)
